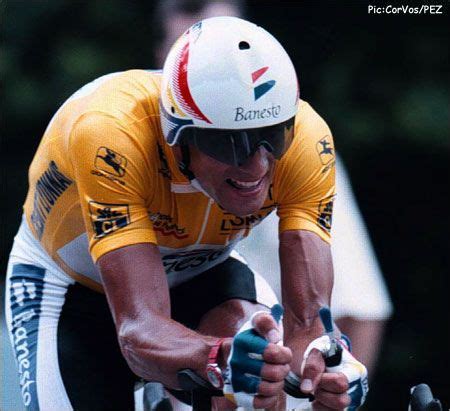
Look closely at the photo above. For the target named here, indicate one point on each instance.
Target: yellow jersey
(103, 177)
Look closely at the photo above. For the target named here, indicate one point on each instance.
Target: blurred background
(380, 82)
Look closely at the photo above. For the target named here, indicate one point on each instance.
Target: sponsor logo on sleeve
(325, 211)
(110, 162)
(325, 150)
(107, 218)
(49, 187)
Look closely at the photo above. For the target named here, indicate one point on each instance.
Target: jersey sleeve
(304, 183)
(114, 181)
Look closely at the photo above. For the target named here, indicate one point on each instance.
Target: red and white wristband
(213, 371)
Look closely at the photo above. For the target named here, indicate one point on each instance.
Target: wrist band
(213, 371)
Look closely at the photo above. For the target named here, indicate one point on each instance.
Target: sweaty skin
(214, 177)
(155, 346)
(306, 283)
(306, 266)
(227, 319)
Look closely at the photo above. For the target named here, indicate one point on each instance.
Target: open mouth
(244, 185)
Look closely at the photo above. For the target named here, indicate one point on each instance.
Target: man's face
(240, 190)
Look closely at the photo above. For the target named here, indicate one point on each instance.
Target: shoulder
(313, 141)
(129, 96)
(307, 168)
(138, 83)
(304, 184)
(308, 123)
(118, 104)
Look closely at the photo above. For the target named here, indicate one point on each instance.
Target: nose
(257, 164)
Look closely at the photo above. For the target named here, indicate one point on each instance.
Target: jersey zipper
(205, 220)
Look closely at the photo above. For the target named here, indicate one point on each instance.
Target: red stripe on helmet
(187, 101)
(258, 73)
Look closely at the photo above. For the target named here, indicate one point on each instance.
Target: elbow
(147, 356)
(145, 342)
(128, 341)
(137, 354)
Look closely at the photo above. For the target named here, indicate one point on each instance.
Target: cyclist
(360, 302)
(141, 187)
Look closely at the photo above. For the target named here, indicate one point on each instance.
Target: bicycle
(200, 391)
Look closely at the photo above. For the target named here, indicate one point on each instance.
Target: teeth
(246, 184)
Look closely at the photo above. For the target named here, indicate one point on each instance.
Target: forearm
(307, 281)
(154, 346)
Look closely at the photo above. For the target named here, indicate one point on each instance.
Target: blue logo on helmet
(264, 87)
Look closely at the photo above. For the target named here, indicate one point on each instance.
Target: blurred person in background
(361, 303)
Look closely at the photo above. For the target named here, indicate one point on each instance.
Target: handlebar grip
(200, 389)
(422, 399)
(292, 387)
(327, 319)
(334, 360)
(191, 381)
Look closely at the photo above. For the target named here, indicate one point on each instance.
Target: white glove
(355, 372)
(243, 373)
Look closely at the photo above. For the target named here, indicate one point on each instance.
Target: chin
(242, 213)
(243, 209)
(242, 204)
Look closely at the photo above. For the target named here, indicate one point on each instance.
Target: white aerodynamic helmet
(228, 86)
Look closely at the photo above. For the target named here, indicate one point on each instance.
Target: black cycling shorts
(94, 373)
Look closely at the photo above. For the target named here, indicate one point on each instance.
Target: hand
(257, 365)
(330, 389)
(334, 388)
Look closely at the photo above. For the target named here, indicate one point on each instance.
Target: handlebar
(422, 399)
(200, 389)
(292, 387)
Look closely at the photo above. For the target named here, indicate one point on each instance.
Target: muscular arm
(307, 281)
(154, 346)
